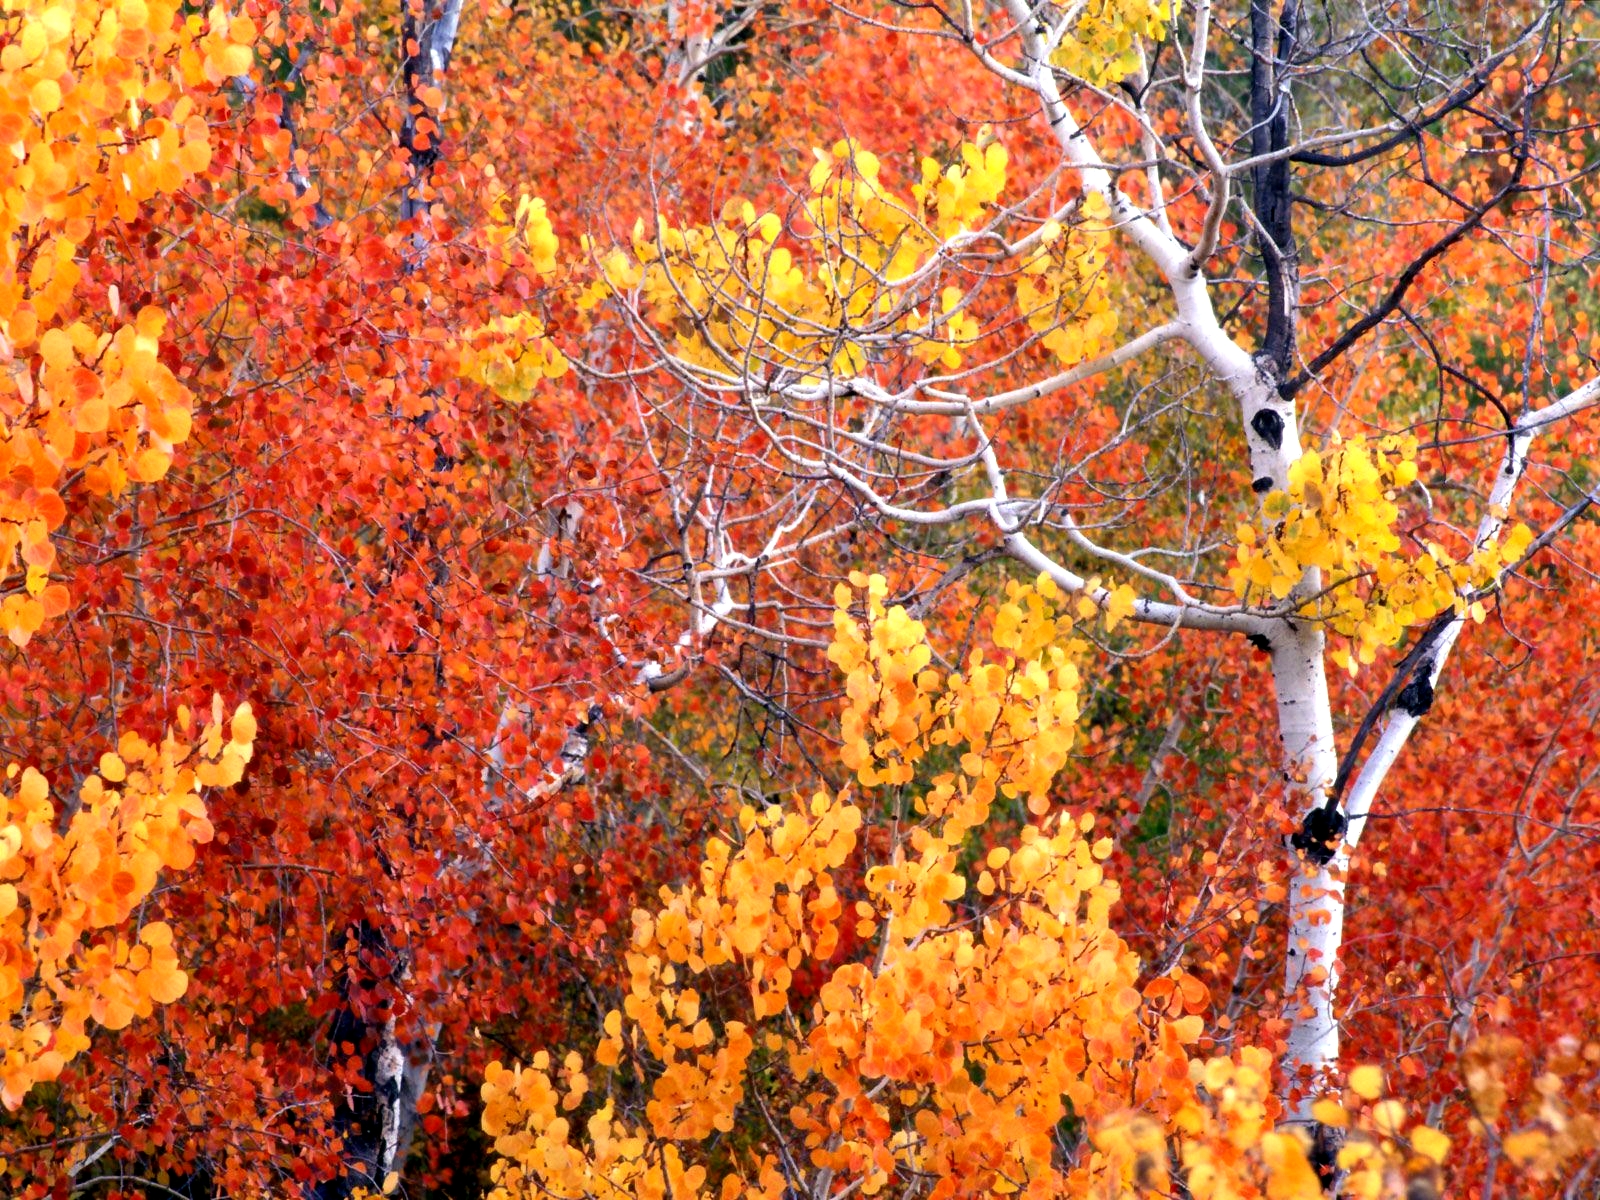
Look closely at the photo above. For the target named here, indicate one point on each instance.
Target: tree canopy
(639, 601)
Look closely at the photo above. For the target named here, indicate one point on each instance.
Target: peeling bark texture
(415, 1068)
(378, 1126)
(388, 1068)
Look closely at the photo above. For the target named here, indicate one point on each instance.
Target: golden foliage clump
(1339, 517)
(65, 898)
(1103, 44)
(979, 1028)
(97, 118)
(859, 273)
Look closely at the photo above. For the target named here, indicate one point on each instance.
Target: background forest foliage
(777, 598)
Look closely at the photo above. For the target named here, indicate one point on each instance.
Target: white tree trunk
(1305, 717)
(1316, 894)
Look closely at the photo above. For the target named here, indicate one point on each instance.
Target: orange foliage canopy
(245, 448)
(98, 120)
(951, 1051)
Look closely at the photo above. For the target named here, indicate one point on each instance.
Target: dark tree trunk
(1272, 51)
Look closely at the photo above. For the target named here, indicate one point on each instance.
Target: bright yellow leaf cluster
(1016, 710)
(863, 277)
(529, 229)
(1103, 43)
(94, 123)
(976, 1010)
(64, 897)
(1339, 517)
(951, 200)
(1061, 291)
(512, 356)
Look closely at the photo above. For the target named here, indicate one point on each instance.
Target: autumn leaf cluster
(950, 1043)
(1340, 517)
(96, 122)
(66, 957)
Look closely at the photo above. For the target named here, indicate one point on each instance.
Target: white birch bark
(1316, 894)
(1399, 724)
(1305, 717)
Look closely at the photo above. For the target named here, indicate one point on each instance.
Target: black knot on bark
(1324, 1157)
(1416, 698)
(1264, 484)
(1269, 428)
(1319, 835)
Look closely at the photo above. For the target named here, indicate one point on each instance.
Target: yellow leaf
(1118, 605)
(1527, 1146)
(167, 987)
(233, 59)
(243, 726)
(1330, 1113)
(1430, 1143)
(150, 464)
(1367, 1082)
